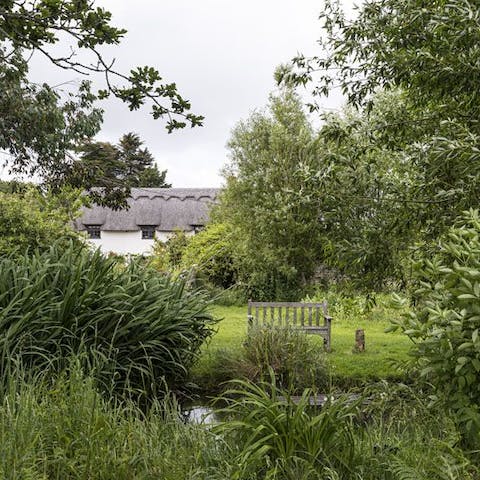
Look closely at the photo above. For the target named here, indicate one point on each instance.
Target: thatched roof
(166, 208)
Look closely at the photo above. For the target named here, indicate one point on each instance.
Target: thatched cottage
(152, 213)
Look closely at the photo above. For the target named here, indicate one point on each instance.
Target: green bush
(30, 219)
(135, 326)
(210, 254)
(445, 324)
(167, 256)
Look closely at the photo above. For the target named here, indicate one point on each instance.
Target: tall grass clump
(132, 325)
(275, 437)
(404, 438)
(63, 428)
(296, 360)
(387, 434)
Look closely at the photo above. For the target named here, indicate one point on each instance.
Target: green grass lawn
(375, 363)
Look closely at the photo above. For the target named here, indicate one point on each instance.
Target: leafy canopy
(431, 54)
(40, 126)
(35, 26)
(270, 198)
(369, 216)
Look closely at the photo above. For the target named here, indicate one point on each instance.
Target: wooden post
(360, 340)
(249, 315)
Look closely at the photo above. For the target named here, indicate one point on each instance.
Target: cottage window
(148, 232)
(93, 231)
(197, 228)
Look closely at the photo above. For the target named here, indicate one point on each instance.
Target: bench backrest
(288, 313)
(310, 317)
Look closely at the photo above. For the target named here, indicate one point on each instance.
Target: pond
(200, 414)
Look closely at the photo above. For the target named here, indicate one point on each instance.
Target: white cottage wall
(122, 243)
(128, 243)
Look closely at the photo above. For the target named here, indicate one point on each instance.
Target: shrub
(134, 326)
(445, 324)
(30, 219)
(210, 254)
(278, 438)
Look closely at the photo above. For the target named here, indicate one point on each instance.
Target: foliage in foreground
(280, 439)
(64, 429)
(445, 324)
(387, 436)
(61, 427)
(134, 326)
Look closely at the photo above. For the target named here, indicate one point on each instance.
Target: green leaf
(475, 336)
(466, 296)
(476, 364)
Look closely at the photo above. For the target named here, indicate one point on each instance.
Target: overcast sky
(222, 55)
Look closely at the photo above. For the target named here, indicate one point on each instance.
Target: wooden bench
(309, 317)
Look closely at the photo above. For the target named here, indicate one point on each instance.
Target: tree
(428, 50)
(114, 169)
(38, 128)
(298, 198)
(269, 199)
(34, 26)
(367, 178)
(152, 177)
(430, 53)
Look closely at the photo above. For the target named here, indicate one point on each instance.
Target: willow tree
(269, 198)
(428, 50)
